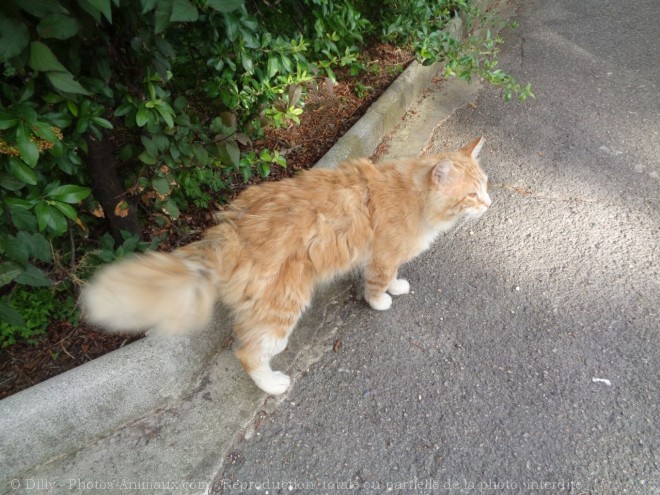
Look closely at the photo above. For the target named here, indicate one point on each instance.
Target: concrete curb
(382, 116)
(72, 411)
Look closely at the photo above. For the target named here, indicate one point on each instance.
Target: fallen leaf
(337, 344)
(474, 105)
(121, 210)
(98, 211)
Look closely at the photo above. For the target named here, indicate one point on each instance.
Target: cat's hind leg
(255, 354)
(398, 286)
(263, 333)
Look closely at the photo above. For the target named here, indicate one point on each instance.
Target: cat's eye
(472, 195)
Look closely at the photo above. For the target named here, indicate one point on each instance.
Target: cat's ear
(440, 172)
(473, 148)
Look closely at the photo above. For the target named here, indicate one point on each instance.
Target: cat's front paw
(273, 383)
(380, 302)
(398, 287)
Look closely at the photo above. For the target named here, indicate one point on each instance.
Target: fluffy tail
(169, 293)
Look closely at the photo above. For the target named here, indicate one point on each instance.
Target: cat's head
(459, 183)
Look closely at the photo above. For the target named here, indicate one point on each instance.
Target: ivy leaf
(28, 149)
(58, 26)
(69, 193)
(183, 11)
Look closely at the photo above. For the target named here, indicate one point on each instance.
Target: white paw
(398, 287)
(381, 302)
(271, 382)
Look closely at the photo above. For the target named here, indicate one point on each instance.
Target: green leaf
(11, 183)
(224, 6)
(104, 6)
(142, 116)
(65, 82)
(14, 37)
(201, 153)
(7, 119)
(58, 26)
(23, 219)
(170, 208)
(10, 315)
(183, 11)
(43, 59)
(101, 122)
(230, 154)
(148, 158)
(50, 217)
(16, 249)
(162, 15)
(39, 246)
(44, 131)
(33, 277)
(41, 8)
(66, 209)
(28, 149)
(166, 112)
(9, 271)
(21, 171)
(247, 63)
(273, 66)
(161, 185)
(69, 193)
(148, 5)
(231, 27)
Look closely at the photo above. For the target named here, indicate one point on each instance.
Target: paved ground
(527, 359)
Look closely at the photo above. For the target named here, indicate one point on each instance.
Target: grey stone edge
(64, 413)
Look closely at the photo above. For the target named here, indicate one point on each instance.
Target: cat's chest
(430, 234)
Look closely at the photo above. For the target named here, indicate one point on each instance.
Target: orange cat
(277, 241)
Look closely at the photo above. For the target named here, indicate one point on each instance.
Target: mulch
(329, 111)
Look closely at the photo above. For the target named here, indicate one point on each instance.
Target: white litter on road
(602, 380)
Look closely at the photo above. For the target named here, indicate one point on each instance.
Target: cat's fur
(277, 241)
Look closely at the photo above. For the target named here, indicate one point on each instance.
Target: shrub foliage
(111, 105)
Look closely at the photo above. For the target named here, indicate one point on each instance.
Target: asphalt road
(527, 358)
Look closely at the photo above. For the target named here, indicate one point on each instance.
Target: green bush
(111, 105)
(38, 307)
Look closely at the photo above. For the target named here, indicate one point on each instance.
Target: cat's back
(307, 212)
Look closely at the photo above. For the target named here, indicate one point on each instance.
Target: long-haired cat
(277, 241)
